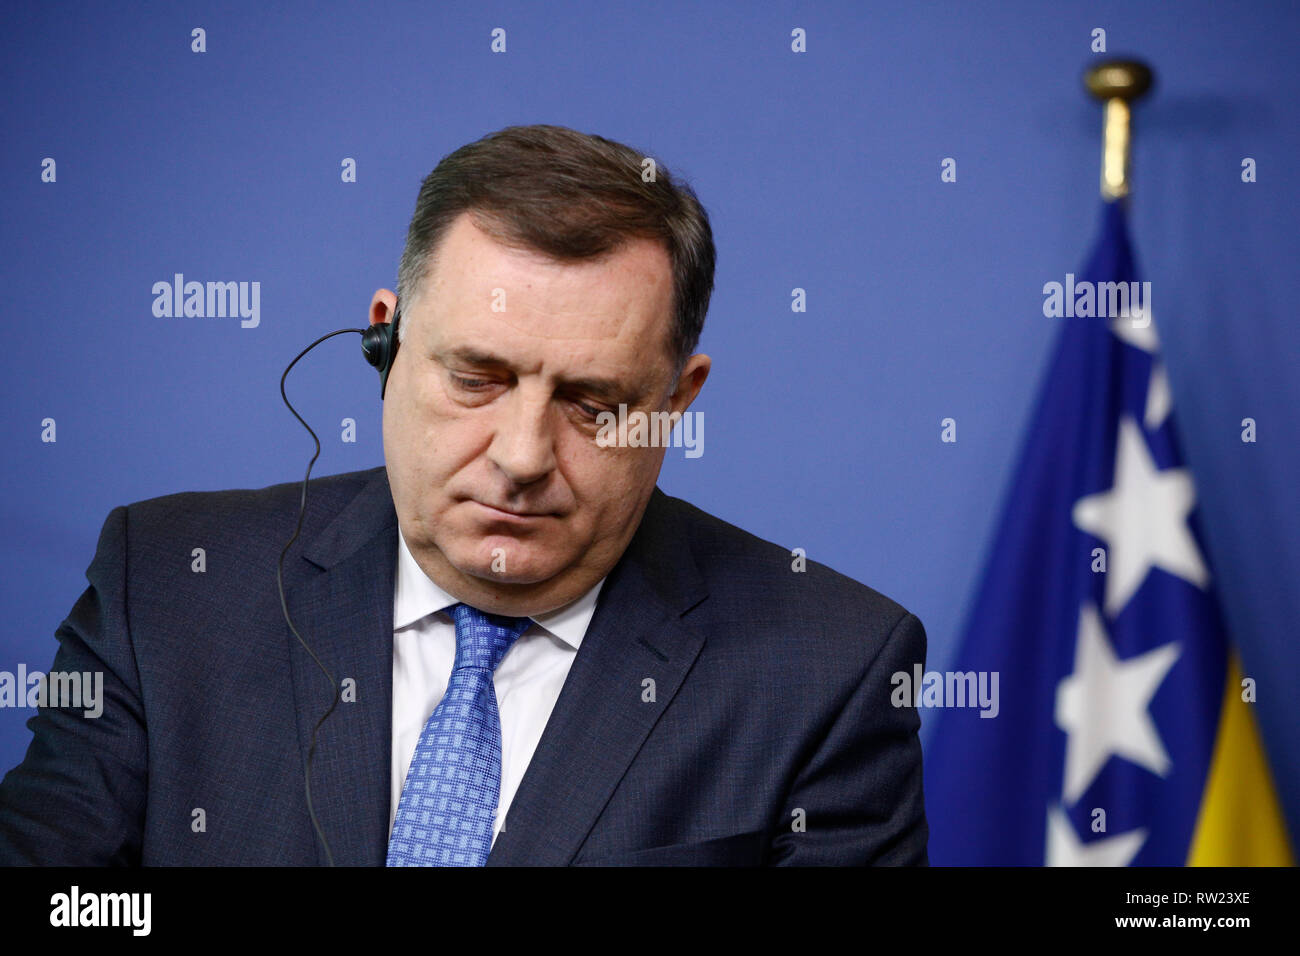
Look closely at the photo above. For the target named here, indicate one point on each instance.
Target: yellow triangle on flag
(1240, 821)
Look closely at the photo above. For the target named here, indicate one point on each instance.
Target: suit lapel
(343, 608)
(601, 720)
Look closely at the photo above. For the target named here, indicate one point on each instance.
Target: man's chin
(521, 579)
(508, 567)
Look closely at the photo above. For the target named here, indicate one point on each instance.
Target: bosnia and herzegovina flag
(1122, 736)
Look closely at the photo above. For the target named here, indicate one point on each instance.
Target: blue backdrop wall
(821, 171)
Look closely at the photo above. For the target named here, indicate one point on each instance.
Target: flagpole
(1117, 83)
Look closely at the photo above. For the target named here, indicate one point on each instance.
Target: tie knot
(482, 639)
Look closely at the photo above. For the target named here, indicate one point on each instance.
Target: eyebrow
(602, 388)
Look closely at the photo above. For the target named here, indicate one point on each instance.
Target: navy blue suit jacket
(769, 736)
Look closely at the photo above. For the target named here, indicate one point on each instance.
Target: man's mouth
(508, 514)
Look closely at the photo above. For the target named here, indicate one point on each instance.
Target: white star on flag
(1143, 520)
(1144, 337)
(1137, 332)
(1159, 398)
(1066, 849)
(1102, 706)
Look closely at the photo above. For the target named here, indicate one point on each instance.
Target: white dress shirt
(527, 681)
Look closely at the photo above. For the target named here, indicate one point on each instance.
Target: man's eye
(586, 409)
(470, 383)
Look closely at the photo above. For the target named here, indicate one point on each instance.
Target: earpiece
(379, 344)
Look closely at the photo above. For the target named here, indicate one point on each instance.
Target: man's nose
(524, 444)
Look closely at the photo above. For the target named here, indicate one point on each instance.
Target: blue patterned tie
(453, 786)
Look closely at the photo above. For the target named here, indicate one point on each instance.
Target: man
(541, 657)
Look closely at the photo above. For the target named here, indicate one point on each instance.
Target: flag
(1125, 733)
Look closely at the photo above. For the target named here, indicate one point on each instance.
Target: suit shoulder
(741, 566)
(270, 508)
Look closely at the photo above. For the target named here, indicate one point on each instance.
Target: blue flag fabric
(1097, 611)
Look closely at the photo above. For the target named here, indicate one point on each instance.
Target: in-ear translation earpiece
(379, 344)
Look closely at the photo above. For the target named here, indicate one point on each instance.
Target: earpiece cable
(284, 605)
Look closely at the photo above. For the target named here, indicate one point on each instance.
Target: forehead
(483, 293)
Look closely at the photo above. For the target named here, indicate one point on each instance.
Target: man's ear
(382, 305)
(690, 381)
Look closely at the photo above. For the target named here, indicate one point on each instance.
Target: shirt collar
(416, 597)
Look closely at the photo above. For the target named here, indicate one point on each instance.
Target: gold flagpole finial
(1117, 83)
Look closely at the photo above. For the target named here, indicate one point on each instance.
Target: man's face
(502, 492)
